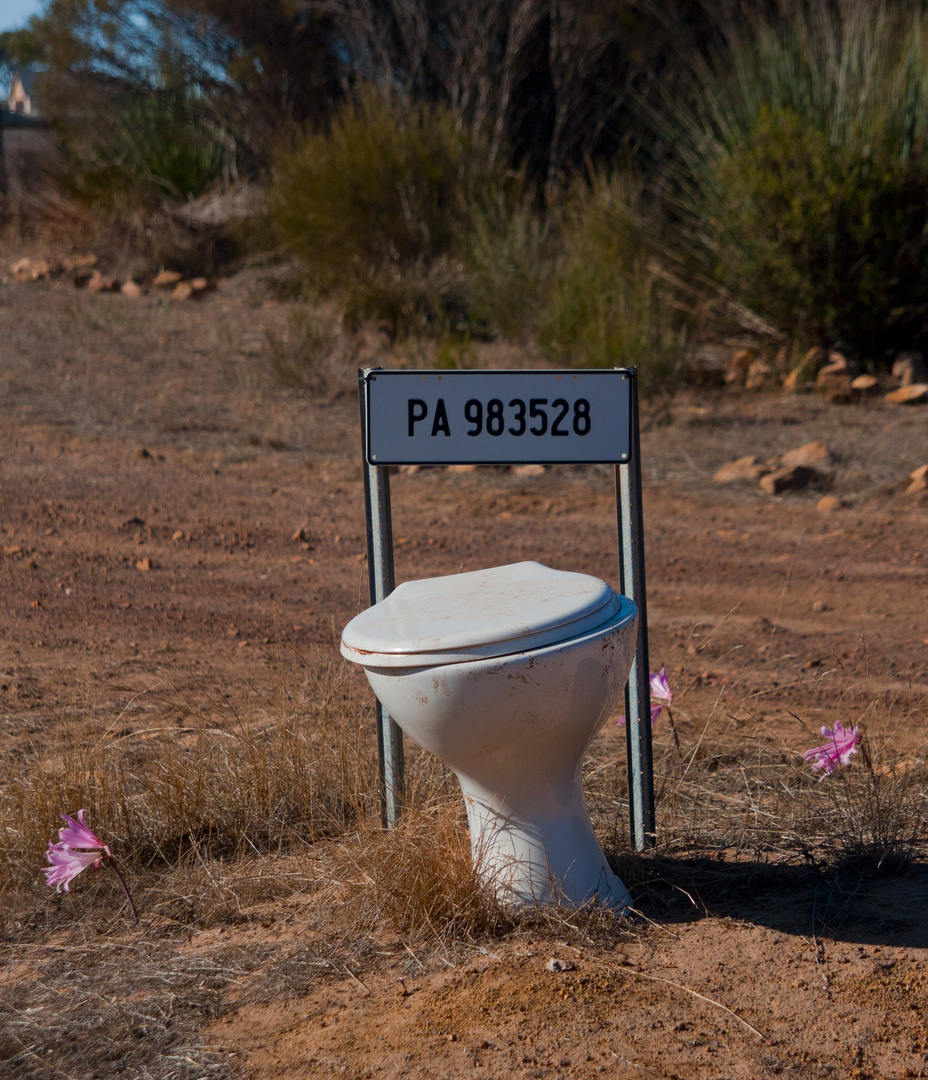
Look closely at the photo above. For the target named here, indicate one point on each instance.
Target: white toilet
(506, 674)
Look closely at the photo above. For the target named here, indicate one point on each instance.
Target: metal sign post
(507, 418)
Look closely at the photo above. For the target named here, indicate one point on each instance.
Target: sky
(13, 13)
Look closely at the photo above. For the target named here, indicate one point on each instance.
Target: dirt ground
(171, 516)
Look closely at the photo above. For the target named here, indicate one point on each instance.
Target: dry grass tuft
(421, 878)
(211, 787)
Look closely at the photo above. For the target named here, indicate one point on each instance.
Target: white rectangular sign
(498, 417)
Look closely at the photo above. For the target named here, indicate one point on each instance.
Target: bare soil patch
(180, 532)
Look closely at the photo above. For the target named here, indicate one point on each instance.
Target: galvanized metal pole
(638, 689)
(382, 582)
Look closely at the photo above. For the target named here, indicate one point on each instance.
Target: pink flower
(660, 692)
(837, 750)
(77, 848)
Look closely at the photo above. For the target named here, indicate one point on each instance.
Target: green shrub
(608, 305)
(156, 147)
(509, 256)
(375, 206)
(801, 169)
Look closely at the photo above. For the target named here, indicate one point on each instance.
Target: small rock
(866, 384)
(834, 381)
(143, 564)
(528, 470)
(827, 503)
(199, 284)
(298, 536)
(793, 478)
(917, 485)
(555, 964)
(166, 279)
(910, 368)
(182, 291)
(744, 469)
(819, 606)
(920, 473)
(813, 454)
(914, 394)
(100, 283)
(131, 288)
(177, 535)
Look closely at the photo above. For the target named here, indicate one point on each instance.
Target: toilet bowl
(506, 674)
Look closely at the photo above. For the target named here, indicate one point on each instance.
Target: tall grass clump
(375, 207)
(798, 170)
(219, 787)
(509, 253)
(609, 302)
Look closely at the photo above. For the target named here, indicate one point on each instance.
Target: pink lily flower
(76, 849)
(841, 743)
(660, 692)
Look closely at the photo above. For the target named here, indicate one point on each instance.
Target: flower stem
(125, 888)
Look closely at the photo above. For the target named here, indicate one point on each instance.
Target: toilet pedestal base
(542, 852)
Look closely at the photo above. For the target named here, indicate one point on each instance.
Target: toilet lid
(485, 613)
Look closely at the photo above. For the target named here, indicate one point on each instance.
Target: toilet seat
(484, 613)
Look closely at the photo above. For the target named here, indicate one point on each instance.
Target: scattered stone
(921, 473)
(910, 368)
(914, 394)
(77, 262)
(166, 279)
(792, 478)
(100, 283)
(143, 564)
(182, 291)
(177, 536)
(199, 284)
(744, 469)
(813, 455)
(556, 964)
(83, 276)
(819, 606)
(131, 288)
(827, 503)
(865, 385)
(917, 485)
(528, 470)
(299, 536)
(835, 379)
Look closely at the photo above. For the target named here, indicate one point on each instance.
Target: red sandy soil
(171, 516)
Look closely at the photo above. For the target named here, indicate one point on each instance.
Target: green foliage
(608, 305)
(157, 147)
(374, 208)
(802, 171)
(508, 253)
